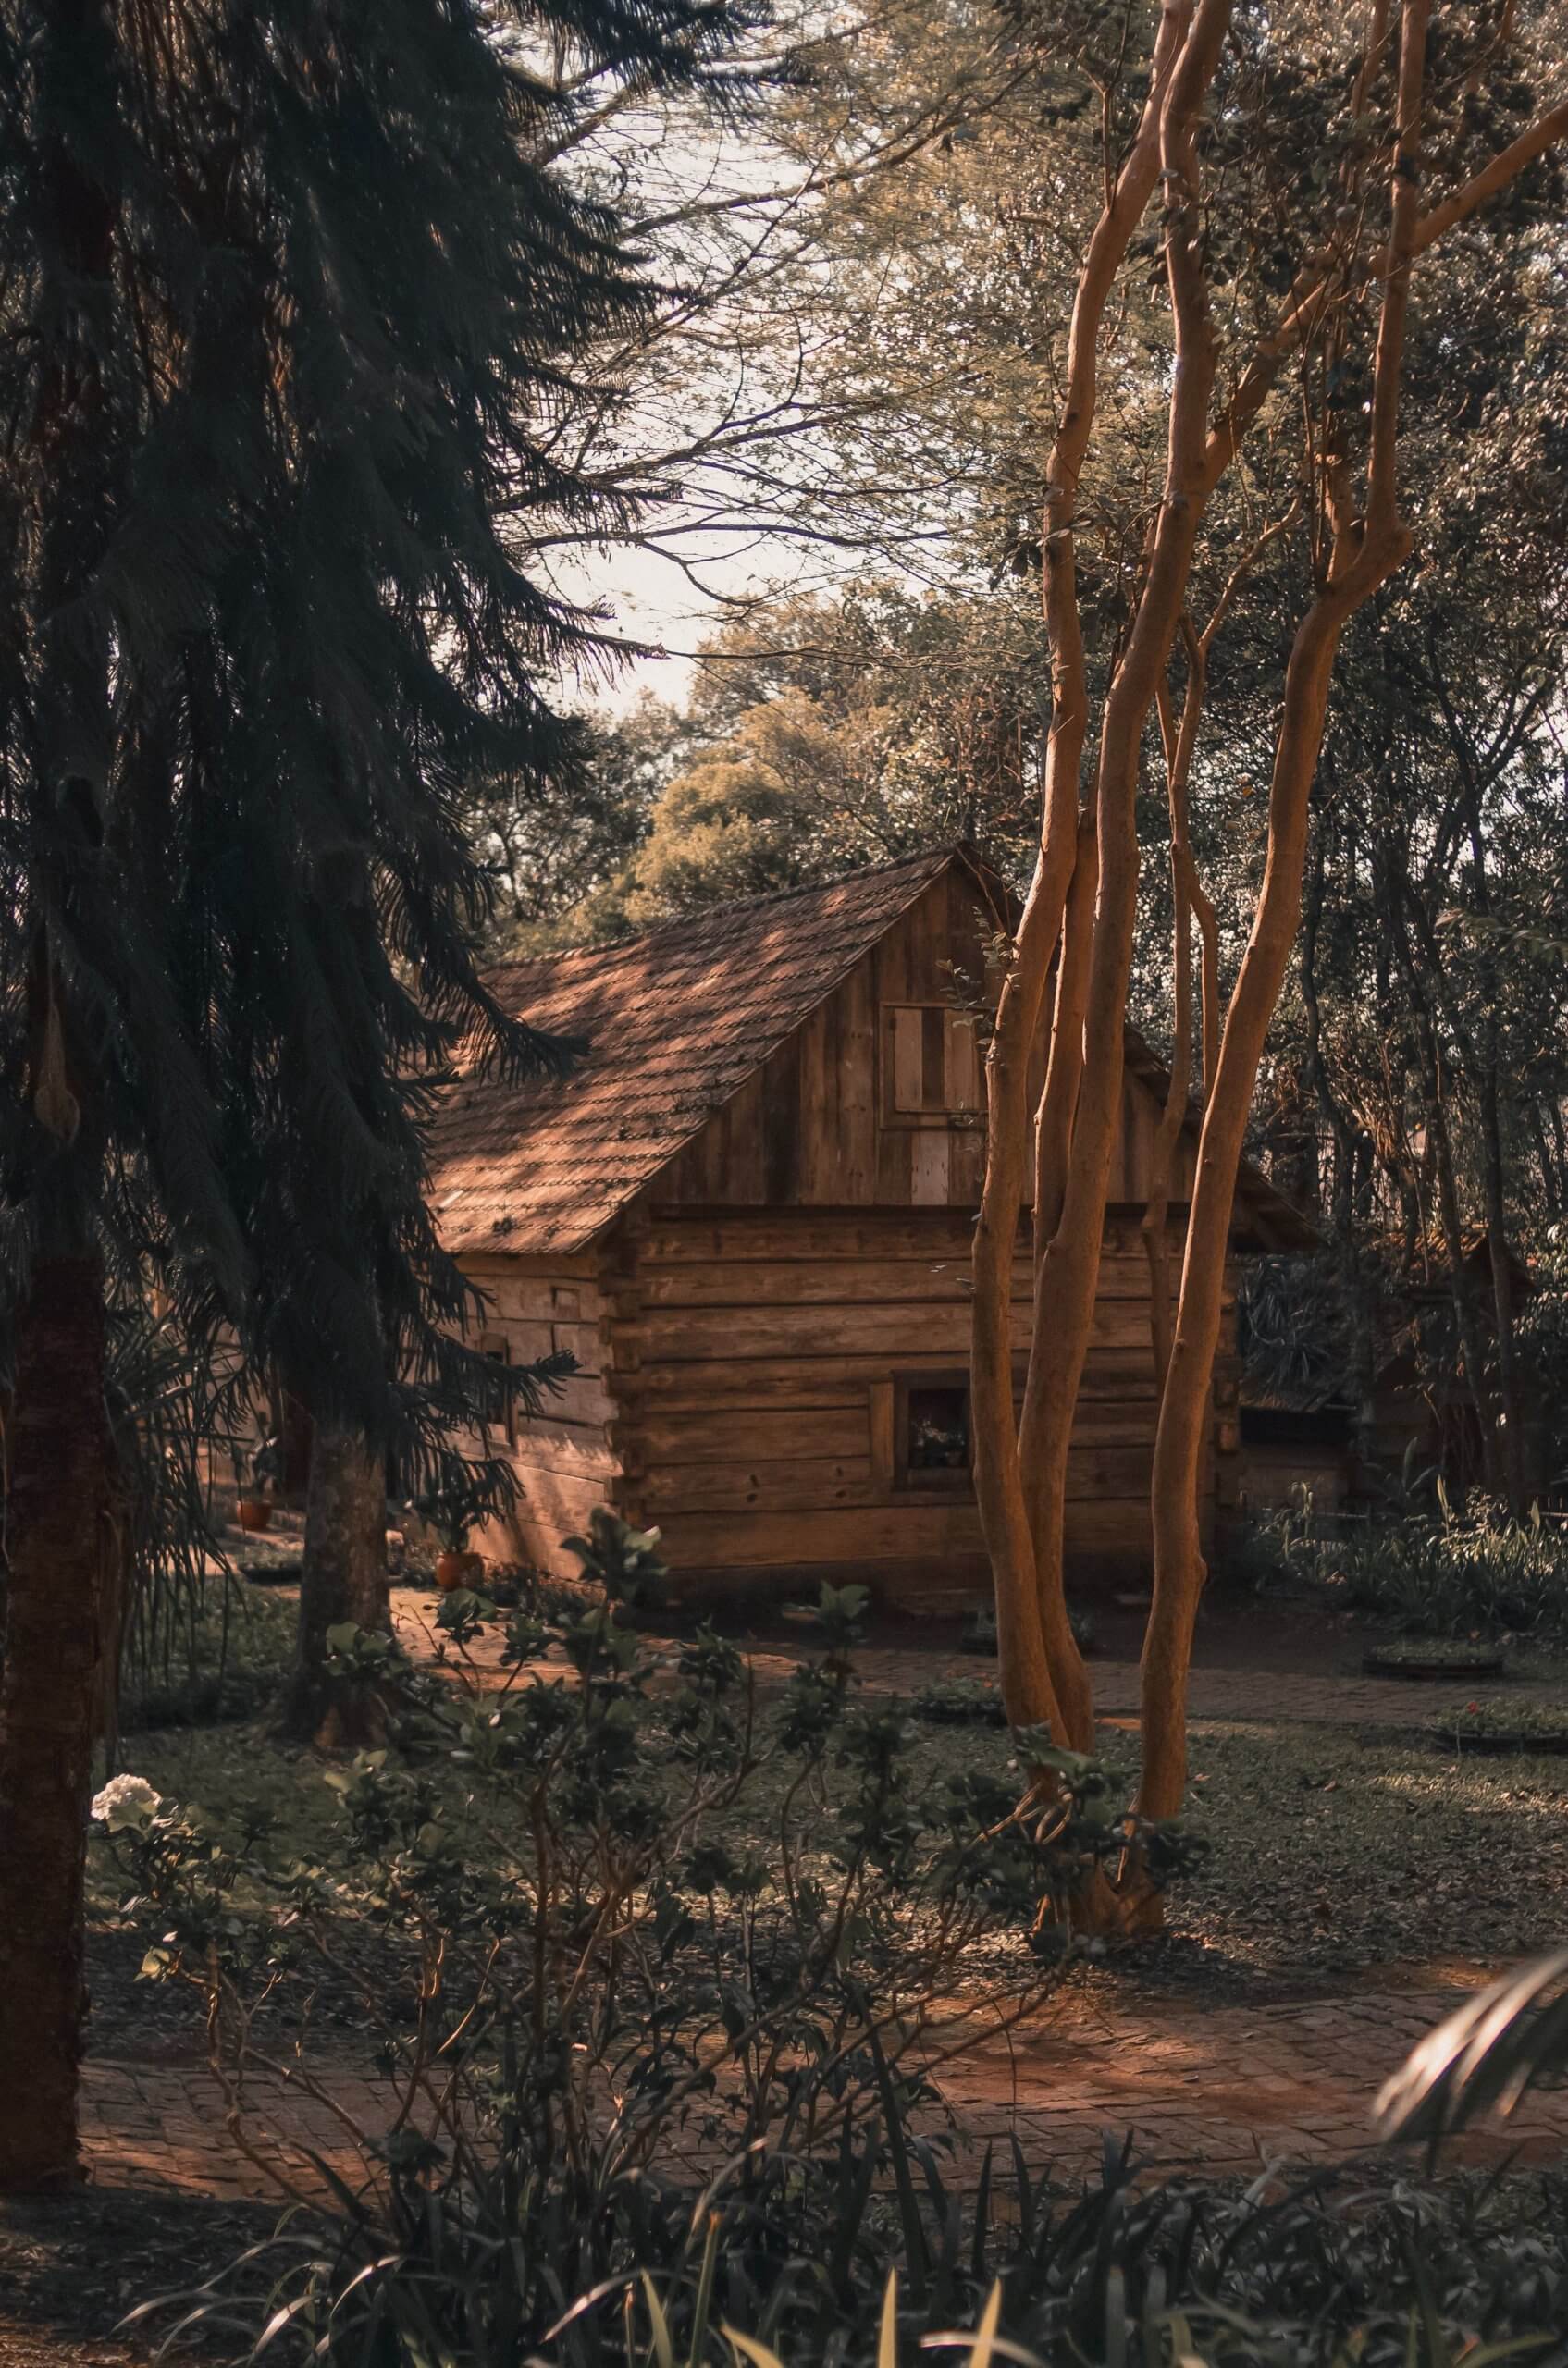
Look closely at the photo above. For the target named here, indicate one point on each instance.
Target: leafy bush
(960, 1701)
(632, 1948)
(1443, 1574)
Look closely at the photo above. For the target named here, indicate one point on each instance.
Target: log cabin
(748, 1214)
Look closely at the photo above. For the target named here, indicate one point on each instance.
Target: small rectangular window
(499, 1407)
(931, 1442)
(931, 1065)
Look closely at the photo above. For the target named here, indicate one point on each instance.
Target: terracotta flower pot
(253, 1513)
(454, 1571)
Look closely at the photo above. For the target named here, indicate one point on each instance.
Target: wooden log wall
(742, 1333)
(757, 1375)
(570, 1459)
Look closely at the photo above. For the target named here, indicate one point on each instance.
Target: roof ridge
(681, 922)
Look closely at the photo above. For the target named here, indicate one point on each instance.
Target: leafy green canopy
(289, 290)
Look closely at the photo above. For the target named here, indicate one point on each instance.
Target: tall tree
(1314, 282)
(291, 295)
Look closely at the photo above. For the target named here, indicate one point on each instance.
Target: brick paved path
(1333, 1698)
(1223, 2089)
(1218, 2088)
(162, 2121)
(1226, 1694)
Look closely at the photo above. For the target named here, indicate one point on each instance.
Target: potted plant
(254, 1511)
(451, 1513)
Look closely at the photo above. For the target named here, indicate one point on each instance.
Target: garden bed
(1434, 1659)
(1501, 1725)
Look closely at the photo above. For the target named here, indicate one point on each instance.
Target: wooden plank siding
(569, 1459)
(875, 1100)
(748, 1323)
(761, 1402)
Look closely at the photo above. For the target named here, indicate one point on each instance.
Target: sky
(649, 599)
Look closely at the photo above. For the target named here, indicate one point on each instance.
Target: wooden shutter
(908, 1052)
(932, 1059)
(961, 1062)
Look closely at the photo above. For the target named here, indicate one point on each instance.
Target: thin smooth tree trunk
(1030, 1687)
(1514, 1461)
(51, 1693)
(1068, 1275)
(1551, 1189)
(1155, 1223)
(342, 1581)
(1466, 1312)
(1365, 550)
(1511, 1397)
(1317, 1066)
(1189, 903)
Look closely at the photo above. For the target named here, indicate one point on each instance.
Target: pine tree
(288, 304)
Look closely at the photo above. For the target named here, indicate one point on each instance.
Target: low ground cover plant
(1437, 1657)
(223, 1662)
(660, 2092)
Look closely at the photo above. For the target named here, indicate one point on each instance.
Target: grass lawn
(1338, 1857)
(1334, 1851)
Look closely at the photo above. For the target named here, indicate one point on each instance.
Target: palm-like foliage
(1484, 2057)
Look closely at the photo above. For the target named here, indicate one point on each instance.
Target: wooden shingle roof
(675, 1020)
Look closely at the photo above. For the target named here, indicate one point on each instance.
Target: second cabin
(747, 1213)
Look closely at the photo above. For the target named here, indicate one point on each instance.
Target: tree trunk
(1180, 1569)
(1514, 1465)
(1511, 1399)
(50, 1692)
(343, 1580)
(1365, 550)
(1068, 1275)
(1029, 1689)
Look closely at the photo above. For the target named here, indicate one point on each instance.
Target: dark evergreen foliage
(288, 301)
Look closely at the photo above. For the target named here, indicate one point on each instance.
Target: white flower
(126, 1803)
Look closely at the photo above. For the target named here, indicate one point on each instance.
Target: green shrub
(621, 1936)
(1433, 1574)
(960, 1701)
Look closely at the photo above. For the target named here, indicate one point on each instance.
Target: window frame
(891, 1439)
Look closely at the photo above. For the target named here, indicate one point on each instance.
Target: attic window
(929, 1065)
